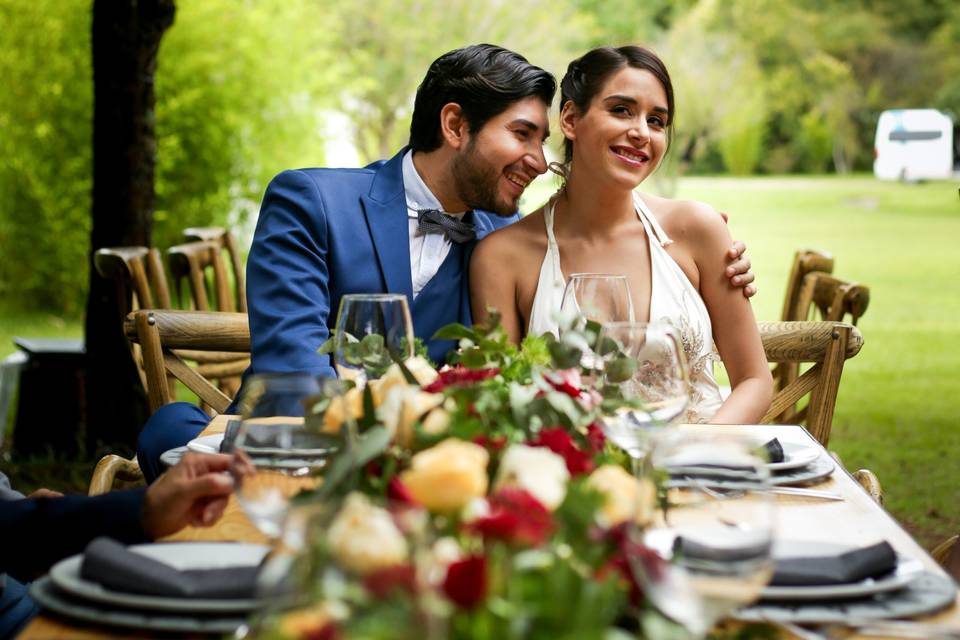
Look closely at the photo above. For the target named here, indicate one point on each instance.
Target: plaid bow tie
(433, 221)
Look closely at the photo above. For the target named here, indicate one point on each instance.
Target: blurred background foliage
(248, 88)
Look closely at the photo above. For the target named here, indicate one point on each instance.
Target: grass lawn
(894, 412)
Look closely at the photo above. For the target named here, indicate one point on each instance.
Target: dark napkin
(846, 568)
(774, 451)
(111, 564)
(229, 436)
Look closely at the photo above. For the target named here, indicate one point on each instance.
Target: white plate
(180, 555)
(907, 570)
(795, 455)
(206, 444)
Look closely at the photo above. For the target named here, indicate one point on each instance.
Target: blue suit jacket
(323, 233)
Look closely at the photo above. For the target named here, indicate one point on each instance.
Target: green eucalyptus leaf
(456, 331)
(621, 369)
(366, 447)
(369, 412)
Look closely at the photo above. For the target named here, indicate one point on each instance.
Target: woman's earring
(560, 169)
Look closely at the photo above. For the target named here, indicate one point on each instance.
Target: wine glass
(373, 330)
(715, 527)
(645, 365)
(276, 454)
(601, 297)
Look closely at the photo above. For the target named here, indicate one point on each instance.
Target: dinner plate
(907, 570)
(171, 457)
(211, 443)
(812, 473)
(51, 598)
(795, 455)
(180, 555)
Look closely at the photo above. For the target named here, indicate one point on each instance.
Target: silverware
(893, 629)
(809, 493)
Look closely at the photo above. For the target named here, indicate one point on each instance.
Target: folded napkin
(111, 564)
(846, 568)
(774, 451)
(229, 436)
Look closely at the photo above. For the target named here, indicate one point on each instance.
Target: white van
(913, 144)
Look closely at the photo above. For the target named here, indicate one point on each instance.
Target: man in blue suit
(406, 225)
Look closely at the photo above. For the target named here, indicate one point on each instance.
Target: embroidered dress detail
(673, 299)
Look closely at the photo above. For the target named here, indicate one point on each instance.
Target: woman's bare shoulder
(527, 233)
(684, 218)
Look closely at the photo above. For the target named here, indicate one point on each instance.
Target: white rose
(402, 407)
(541, 472)
(393, 376)
(363, 537)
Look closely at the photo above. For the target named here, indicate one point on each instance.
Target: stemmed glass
(644, 363)
(715, 527)
(373, 330)
(601, 297)
(277, 455)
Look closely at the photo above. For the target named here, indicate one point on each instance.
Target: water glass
(373, 331)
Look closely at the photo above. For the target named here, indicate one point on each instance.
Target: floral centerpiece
(480, 501)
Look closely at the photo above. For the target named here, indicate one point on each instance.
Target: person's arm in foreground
(35, 533)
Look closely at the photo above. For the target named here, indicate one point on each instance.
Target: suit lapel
(385, 208)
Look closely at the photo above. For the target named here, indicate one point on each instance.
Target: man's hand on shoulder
(194, 492)
(738, 271)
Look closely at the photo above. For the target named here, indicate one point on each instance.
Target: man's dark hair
(484, 80)
(586, 76)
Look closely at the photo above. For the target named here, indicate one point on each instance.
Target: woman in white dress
(616, 113)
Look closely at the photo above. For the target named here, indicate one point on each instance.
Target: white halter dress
(673, 299)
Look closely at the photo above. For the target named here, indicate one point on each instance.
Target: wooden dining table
(856, 520)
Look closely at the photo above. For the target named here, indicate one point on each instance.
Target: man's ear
(568, 119)
(453, 125)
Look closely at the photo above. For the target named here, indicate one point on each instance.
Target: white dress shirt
(427, 251)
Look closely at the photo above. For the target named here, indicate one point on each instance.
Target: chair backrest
(835, 299)
(190, 262)
(827, 345)
(170, 338)
(804, 261)
(227, 242)
(138, 268)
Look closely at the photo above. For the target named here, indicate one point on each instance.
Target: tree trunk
(126, 37)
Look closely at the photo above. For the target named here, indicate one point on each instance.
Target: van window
(915, 135)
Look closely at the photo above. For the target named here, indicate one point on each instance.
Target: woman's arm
(493, 284)
(734, 326)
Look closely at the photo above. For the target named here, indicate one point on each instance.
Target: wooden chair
(830, 298)
(165, 336)
(947, 555)
(827, 345)
(191, 262)
(804, 261)
(867, 479)
(228, 243)
(113, 470)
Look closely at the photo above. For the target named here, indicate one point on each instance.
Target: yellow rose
(363, 537)
(335, 414)
(447, 476)
(436, 421)
(402, 407)
(624, 496)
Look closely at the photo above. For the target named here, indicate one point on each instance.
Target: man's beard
(475, 180)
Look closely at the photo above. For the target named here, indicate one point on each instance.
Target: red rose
(397, 492)
(515, 517)
(466, 581)
(566, 381)
(495, 443)
(384, 582)
(459, 376)
(561, 443)
(630, 556)
(328, 631)
(595, 438)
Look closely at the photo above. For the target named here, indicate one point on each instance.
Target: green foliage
(45, 153)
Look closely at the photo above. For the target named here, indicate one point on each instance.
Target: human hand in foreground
(194, 492)
(738, 271)
(45, 493)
